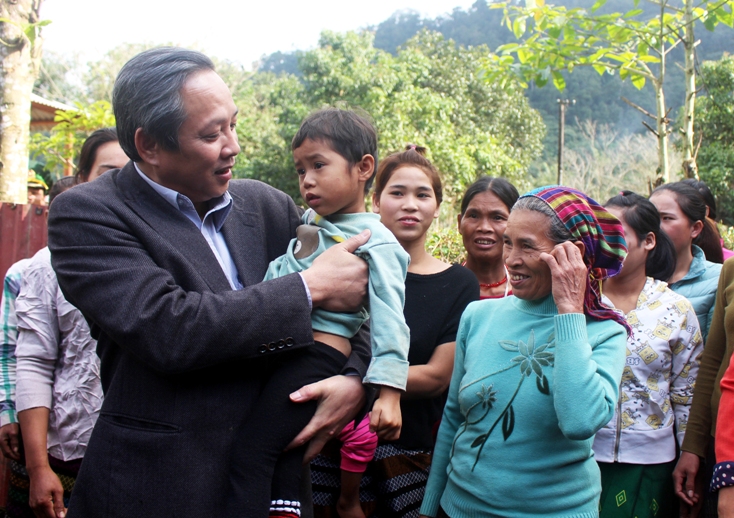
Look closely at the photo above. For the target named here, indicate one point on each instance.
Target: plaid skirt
(392, 487)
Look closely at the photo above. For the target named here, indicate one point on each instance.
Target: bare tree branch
(653, 130)
(639, 108)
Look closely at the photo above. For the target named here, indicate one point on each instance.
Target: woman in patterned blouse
(636, 450)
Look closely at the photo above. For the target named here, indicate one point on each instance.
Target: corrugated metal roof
(51, 104)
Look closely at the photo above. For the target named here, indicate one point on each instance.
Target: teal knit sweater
(530, 389)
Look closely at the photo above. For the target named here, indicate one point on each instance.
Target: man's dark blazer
(182, 354)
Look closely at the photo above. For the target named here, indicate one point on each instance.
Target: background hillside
(598, 98)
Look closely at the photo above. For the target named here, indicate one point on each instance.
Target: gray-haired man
(165, 260)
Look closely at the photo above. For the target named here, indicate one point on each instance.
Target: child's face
(329, 185)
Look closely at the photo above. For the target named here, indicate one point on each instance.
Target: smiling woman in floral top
(636, 450)
(536, 374)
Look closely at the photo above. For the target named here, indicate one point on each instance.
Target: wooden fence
(22, 234)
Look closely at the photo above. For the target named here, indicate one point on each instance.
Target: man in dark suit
(165, 258)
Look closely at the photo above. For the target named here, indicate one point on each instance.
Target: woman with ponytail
(710, 248)
(636, 450)
(683, 214)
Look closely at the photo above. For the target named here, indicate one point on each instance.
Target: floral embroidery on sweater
(530, 360)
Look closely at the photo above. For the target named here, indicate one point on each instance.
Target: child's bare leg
(339, 343)
(358, 449)
(348, 505)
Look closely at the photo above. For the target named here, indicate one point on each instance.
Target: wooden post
(562, 105)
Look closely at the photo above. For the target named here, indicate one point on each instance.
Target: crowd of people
(193, 345)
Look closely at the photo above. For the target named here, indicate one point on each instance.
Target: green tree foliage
(554, 39)
(271, 109)
(598, 97)
(430, 93)
(89, 89)
(445, 242)
(715, 118)
(56, 150)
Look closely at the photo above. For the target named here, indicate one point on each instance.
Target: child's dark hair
(500, 187)
(413, 156)
(347, 132)
(62, 184)
(693, 205)
(642, 217)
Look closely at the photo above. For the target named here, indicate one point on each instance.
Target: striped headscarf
(603, 238)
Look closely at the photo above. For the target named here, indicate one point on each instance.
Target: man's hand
(10, 441)
(684, 479)
(339, 397)
(726, 502)
(337, 279)
(385, 418)
(46, 493)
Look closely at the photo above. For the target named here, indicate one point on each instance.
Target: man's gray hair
(147, 95)
(557, 231)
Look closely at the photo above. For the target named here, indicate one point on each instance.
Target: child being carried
(335, 157)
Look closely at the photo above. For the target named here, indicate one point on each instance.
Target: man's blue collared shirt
(210, 226)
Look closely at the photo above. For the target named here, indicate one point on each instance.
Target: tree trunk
(689, 160)
(662, 132)
(19, 62)
(660, 111)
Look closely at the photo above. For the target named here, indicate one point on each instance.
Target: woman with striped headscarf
(536, 374)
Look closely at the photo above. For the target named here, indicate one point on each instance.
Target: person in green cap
(37, 189)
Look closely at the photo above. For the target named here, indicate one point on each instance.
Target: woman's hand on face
(568, 274)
